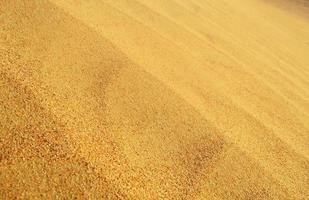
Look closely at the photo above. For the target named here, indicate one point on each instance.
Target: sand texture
(154, 99)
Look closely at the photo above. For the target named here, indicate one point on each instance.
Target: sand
(154, 99)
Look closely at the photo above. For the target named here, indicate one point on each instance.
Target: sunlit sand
(154, 99)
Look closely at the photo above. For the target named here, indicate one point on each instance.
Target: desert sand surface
(154, 99)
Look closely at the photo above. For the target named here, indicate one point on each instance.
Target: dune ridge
(178, 99)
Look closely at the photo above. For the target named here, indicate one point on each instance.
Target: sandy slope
(153, 99)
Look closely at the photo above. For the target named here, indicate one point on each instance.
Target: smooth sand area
(154, 99)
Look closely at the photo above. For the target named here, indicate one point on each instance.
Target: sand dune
(154, 99)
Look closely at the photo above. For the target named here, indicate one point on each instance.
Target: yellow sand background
(154, 99)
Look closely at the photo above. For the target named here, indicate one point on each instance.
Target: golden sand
(154, 99)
